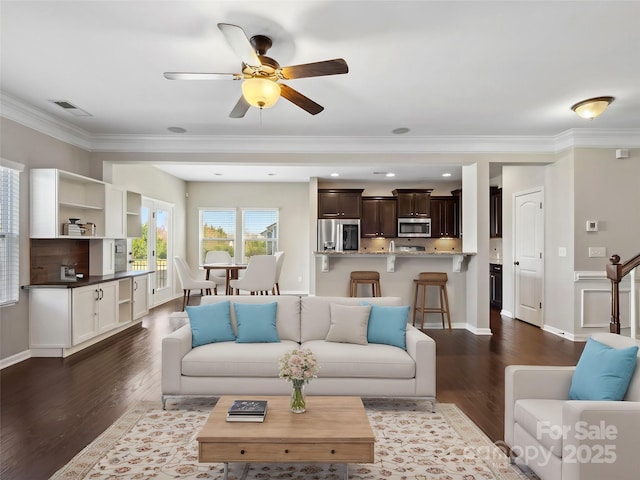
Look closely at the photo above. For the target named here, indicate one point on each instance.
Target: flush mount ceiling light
(592, 107)
(260, 92)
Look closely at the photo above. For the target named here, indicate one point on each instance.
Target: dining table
(231, 269)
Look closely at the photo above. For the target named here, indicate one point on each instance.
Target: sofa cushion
(315, 315)
(210, 323)
(231, 359)
(388, 325)
(603, 372)
(542, 419)
(348, 324)
(620, 341)
(287, 314)
(340, 360)
(256, 323)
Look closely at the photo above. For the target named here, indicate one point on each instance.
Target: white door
(528, 243)
(153, 250)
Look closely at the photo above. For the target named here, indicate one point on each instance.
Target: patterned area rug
(411, 443)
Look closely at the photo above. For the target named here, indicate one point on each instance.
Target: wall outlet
(562, 251)
(597, 252)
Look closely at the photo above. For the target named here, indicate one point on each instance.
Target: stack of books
(247, 411)
(71, 229)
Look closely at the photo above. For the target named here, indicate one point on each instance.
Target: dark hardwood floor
(51, 408)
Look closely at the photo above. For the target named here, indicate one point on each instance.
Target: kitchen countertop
(397, 253)
(91, 280)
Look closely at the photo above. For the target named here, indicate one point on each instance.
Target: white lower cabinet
(63, 321)
(140, 296)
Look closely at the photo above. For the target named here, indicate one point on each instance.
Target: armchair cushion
(603, 372)
(210, 323)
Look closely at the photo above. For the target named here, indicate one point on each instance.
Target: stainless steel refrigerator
(339, 235)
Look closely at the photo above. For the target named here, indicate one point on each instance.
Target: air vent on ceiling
(71, 108)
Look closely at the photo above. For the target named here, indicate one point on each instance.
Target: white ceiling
(443, 69)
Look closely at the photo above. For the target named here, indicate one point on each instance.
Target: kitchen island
(397, 271)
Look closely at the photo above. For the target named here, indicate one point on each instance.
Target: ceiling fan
(261, 74)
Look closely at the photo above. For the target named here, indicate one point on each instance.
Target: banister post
(614, 273)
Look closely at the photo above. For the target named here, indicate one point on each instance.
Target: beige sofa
(562, 439)
(230, 368)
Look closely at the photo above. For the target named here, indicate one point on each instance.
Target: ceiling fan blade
(202, 76)
(316, 69)
(239, 43)
(300, 100)
(240, 109)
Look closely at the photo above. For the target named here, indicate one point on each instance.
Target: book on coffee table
(247, 411)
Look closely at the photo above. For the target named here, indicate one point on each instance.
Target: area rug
(411, 443)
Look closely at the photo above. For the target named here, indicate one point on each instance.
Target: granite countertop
(396, 253)
(91, 280)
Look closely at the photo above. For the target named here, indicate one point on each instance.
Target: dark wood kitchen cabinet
(379, 217)
(495, 212)
(340, 203)
(445, 217)
(413, 203)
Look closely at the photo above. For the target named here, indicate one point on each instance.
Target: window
(217, 231)
(9, 229)
(258, 227)
(259, 232)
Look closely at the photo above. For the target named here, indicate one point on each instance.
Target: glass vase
(298, 403)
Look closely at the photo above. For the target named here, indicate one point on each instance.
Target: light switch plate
(562, 251)
(597, 252)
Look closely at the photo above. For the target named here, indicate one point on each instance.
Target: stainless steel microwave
(414, 227)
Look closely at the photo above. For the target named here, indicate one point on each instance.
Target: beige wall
(34, 150)
(292, 201)
(607, 190)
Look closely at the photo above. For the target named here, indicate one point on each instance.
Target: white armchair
(189, 282)
(218, 256)
(562, 439)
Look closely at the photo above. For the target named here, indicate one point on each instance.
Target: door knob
(516, 263)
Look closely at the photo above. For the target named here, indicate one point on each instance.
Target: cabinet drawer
(286, 452)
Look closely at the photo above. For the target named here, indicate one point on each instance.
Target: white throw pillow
(349, 324)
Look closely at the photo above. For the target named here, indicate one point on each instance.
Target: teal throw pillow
(210, 323)
(388, 325)
(603, 372)
(256, 322)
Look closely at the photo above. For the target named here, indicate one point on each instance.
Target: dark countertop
(92, 280)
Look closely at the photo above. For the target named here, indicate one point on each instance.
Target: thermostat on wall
(592, 225)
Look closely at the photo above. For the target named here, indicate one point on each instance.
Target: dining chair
(279, 261)
(189, 282)
(218, 256)
(259, 277)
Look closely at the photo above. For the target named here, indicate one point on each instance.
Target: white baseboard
(564, 334)
(507, 313)
(458, 326)
(13, 359)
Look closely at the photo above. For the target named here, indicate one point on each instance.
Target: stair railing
(616, 272)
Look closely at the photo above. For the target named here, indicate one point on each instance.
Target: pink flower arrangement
(299, 365)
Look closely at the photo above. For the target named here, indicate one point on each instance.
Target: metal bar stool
(364, 277)
(431, 279)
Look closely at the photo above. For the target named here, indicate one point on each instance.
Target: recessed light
(272, 174)
(335, 174)
(390, 174)
(218, 174)
(400, 130)
(446, 174)
(177, 129)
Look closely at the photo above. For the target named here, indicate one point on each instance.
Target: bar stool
(364, 277)
(431, 279)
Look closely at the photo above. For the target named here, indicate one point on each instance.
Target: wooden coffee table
(332, 430)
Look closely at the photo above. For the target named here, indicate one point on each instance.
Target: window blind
(9, 229)
(259, 232)
(217, 230)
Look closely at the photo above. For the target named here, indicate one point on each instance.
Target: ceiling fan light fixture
(260, 92)
(592, 107)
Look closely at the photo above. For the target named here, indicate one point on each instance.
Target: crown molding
(18, 111)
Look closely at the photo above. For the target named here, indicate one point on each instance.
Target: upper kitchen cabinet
(445, 217)
(495, 212)
(379, 217)
(58, 196)
(101, 209)
(340, 203)
(413, 203)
